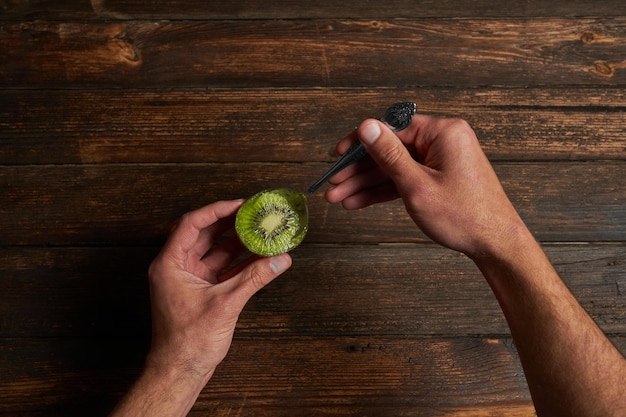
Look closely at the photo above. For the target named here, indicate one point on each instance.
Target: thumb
(260, 273)
(388, 151)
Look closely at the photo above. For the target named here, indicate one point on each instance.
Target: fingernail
(279, 264)
(369, 133)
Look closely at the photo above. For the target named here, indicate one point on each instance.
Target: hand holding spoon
(398, 117)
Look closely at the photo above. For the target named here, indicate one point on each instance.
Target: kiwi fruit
(272, 222)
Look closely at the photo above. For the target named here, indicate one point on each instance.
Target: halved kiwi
(273, 221)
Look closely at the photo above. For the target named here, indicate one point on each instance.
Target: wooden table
(116, 117)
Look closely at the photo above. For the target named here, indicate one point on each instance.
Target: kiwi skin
(272, 222)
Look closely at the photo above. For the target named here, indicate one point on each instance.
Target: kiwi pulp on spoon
(272, 222)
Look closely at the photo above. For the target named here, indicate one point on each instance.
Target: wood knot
(376, 25)
(604, 69)
(124, 50)
(325, 28)
(588, 37)
(361, 348)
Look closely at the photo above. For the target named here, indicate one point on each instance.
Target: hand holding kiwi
(272, 222)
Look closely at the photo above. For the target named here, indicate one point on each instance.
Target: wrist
(514, 266)
(512, 243)
(179, 372)
(162, 391)
(176, 389)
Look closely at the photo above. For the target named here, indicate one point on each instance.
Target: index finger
(347, 141)
(191, 233)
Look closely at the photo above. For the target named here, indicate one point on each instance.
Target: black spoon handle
(398, 117)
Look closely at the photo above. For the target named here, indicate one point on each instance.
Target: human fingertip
(369, 132)
(280, 263)
(330, 195)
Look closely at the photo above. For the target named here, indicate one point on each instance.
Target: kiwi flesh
(272, 222)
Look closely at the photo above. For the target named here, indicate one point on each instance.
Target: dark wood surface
(118, 116)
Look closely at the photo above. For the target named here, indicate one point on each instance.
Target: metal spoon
(398, 117)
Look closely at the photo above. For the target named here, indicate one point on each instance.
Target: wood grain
(374, 373)
(331, 290)
(298, 9)
(301, 125)
(315, 53)
(465, 376)
(136, 204)
(117, 116)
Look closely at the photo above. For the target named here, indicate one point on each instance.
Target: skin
(195, 307)
(453, 195)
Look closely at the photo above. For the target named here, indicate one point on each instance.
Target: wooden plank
(136, 204)
(331, 53)
(66, 377)
(308, 373)
(73, 292)
(298, 9)
(283, 377)
(368, 373)
(330, 290)
(302, 125)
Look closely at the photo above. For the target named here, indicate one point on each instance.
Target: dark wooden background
(118, 116)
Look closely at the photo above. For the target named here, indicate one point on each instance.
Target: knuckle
(257, 277)
(459, 128)
(154, 270)
(185, 219)
(391, 156)
(459, 123)
(460, 131)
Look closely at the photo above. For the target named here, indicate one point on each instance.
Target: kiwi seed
(273, 221)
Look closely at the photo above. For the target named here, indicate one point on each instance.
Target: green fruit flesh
(273, 221)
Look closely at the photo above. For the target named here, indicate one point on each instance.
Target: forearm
(571, 367)
(160, 392)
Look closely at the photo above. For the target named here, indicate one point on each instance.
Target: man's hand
(453, 195)
(195, 307)
(439, 170)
